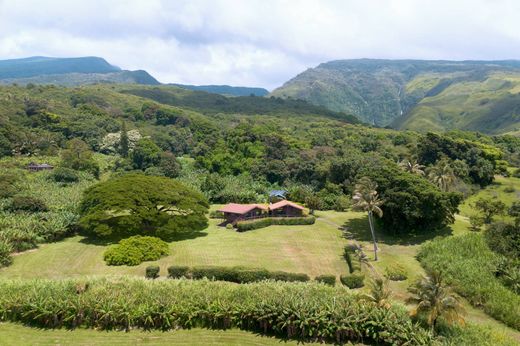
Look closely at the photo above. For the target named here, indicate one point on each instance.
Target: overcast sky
(256, 43)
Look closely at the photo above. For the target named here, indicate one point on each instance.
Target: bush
(5, 254)
(326, 279)
(288, 277)
(135, 250)
(509, 189)
(28, 204)
(396, 273)
(152, 272)
(7, 185)
(348, 251)
(352, 281)
(268, 221)
(287, 310)
(215, 214)
(64, 175)
(516, 173)
(229, 226)
(177, 272)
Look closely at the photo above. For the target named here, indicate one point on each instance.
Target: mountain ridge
(384, 92)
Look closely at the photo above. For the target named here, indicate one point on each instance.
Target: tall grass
(294, 310)
(22, 230)
(469, 265)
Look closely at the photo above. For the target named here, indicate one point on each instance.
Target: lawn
(16, 334)
(312, 249)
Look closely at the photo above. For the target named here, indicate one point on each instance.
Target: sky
(256, 42)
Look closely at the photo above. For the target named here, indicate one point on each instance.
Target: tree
(412, 166)
(169, 165)
(313, 202)
(490, 208)
(145, 154)
(78, 156)
(366, 199)
(442, 175)
(124, 143)
(136, 204)
(437, 300)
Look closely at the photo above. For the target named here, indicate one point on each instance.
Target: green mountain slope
(226, 90)
(208, 103)
(400, 92)
(68, 72)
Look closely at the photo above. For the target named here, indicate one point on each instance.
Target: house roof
(236, 208)
(277, 193)
(284, 203)
(41, 165)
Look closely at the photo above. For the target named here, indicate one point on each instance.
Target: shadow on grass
(93, 240)
(359, 229)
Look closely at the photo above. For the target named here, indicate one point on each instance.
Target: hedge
(177, 272)
(304, 311)
(239, 275)
(268, 221)
(326, 279)
(152, 272)
(353, 280)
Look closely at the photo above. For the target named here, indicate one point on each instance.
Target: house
(36, 167)
(234, 212)
(285, 208)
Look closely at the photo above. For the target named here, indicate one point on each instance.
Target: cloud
(259, 43)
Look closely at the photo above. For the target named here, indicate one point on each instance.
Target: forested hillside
(416, 94)
(68, 72)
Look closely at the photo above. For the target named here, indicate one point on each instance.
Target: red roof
(284, 203)
(235, 208)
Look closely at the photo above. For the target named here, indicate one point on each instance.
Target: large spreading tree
(136, 204)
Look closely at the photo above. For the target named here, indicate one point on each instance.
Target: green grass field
(16, 334)
(313, 249)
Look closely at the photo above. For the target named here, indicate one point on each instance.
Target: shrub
(64, 175)
(215, 214)
(229, 226)
(152, 272)
(177, 272)
(352, 281)
(135, 250)
(396, 273)
(28, 204)
(268, 221)
(509, 189)
(5, 254)
(289, 277)
(348, 251)
(7, 185)
(288, 310)
(516, 173)
(326, 279)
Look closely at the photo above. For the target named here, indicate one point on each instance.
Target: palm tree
(366, 199)
(436, 300)
(412, 166)
(442, 175)
(380, 293)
